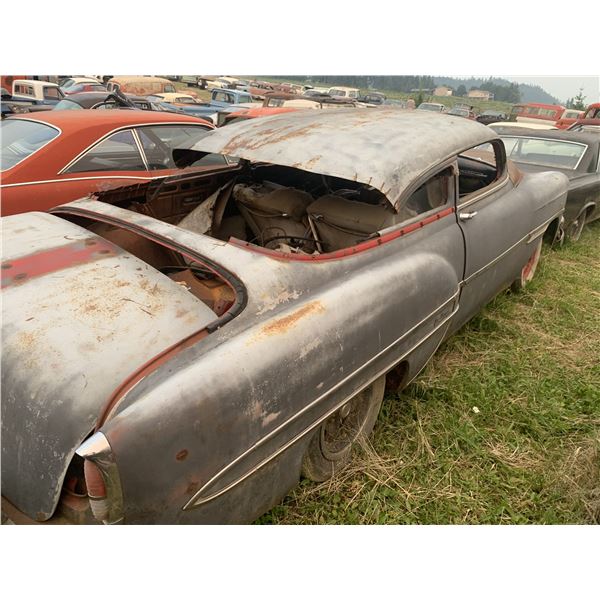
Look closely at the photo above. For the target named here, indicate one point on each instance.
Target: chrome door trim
(196, 499)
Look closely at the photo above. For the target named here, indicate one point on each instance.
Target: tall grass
(503, 426)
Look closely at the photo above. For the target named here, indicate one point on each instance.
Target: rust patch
(181, 455)
(284, 324)
(266, 137)
(192, 488)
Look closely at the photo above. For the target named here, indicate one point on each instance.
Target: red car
(57, 156)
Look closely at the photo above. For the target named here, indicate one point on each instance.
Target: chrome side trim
(528, 239)
(10, 185)
(34, 152)
(98, 450)
(196, 499)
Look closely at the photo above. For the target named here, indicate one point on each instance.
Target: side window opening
(432, 195)
(119, 152)
(480, 167)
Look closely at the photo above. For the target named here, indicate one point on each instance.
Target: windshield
(434, 107)
(21, 139)
(67, 105)
(549, 153)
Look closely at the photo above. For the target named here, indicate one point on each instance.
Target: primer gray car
(182, 352)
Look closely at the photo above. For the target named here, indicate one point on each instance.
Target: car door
(494, 218)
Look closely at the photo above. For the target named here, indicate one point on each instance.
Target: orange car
(57, 156)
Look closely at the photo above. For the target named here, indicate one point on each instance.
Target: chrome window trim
(130, 126)
(147, 178)
(195, 500)
(480, 194)
(140, 148)
(48, 142)
(550, 167)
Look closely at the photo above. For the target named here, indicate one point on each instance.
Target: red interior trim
(362, 247)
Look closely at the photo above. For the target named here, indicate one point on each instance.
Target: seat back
(339, 223)
(279, 213)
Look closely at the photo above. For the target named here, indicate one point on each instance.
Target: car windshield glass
(67, 105)
(433, 107)
(548, 153)
(22, 138)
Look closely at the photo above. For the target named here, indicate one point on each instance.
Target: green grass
(503, 425)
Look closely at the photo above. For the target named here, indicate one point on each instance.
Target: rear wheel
(528, 271)
(331, 446)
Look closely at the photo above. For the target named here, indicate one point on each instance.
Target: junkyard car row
(204, 315)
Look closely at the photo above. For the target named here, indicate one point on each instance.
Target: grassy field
(503, 426)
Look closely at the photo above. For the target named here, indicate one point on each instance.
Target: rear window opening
(283, 209)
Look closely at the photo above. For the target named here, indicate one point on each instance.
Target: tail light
(102, 479)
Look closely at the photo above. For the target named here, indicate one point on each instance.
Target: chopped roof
(386, 148)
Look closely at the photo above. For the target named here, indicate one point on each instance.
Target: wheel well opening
(397, 378)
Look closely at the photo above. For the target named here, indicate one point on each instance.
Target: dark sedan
(491, 116)
(576, 154)
(102, 100)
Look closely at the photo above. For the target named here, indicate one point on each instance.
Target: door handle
(466, 216)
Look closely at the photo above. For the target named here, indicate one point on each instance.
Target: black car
(491, 116)
(576, 154)
(102, 100)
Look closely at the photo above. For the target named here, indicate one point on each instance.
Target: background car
(432, 106)
(95, 100)
(491, 116)
(462, 111)
(53, 157)
(576, 154)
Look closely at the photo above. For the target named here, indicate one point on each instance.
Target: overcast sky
(564, 87)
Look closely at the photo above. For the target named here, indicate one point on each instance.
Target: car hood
(79, 315)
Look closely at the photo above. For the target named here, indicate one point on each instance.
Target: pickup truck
(36, 92)
(220, 99)
(29, 95)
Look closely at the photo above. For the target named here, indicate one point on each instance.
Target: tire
(528, 270)
(576, 227)
(331, 445)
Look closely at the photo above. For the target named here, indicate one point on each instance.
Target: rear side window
(119, 152)
(21, 139)
(159, 141)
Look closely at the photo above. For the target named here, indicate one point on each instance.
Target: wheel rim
(577, 227)
(342, 429)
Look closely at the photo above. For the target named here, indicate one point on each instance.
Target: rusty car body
(53, 157)
(182, 351)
